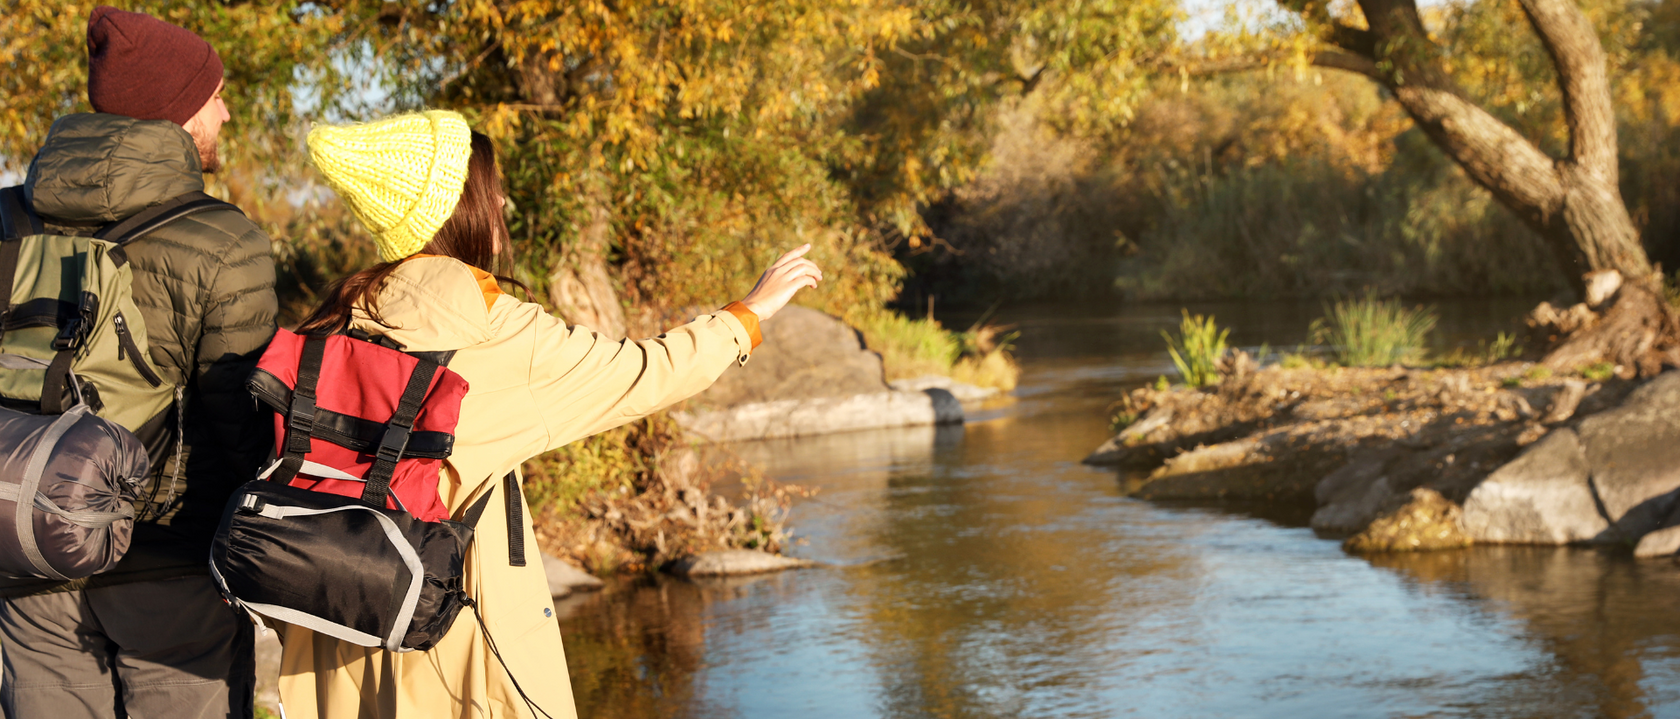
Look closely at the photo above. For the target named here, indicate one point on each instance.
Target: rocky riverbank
(1409, 459)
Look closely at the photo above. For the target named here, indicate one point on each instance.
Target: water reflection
(980, 571)
(1607, 620)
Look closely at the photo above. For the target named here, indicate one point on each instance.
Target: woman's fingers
(791, 273)
(791, 255)
(798, 274)
(801, 265)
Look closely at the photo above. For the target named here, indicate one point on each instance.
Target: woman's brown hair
(469, 235)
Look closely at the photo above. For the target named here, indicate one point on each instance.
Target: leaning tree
(1572, 201)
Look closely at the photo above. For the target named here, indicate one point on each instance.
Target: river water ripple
(981, 571)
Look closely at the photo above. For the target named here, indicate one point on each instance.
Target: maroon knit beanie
(148, 69)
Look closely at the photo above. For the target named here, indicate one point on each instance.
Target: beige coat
(536, 385)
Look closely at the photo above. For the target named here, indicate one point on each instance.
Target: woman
(427, 188)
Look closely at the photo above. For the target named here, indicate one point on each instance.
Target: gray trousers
(163, 649)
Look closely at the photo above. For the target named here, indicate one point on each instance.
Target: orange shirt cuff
(749, 319)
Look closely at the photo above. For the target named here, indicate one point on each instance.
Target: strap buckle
(394, 443)
(301, 415)
(70, 336)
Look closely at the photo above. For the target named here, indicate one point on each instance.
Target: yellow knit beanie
(401, 175)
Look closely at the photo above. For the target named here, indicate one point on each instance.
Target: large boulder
(806, 355)
(1541, 497)
(813, 375)
(1612, 479)
(1634, 452)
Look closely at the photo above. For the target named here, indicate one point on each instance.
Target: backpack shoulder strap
(19, 221)
(300, 415)
(144, 222)
(397, 432)
(17, 217)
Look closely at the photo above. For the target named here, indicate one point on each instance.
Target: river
(982, 571)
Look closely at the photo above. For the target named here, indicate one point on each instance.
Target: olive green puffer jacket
(205, 285)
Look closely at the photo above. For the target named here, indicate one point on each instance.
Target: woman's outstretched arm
(586, 383)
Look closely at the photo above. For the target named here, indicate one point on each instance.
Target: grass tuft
(1503, 347)
(912, 348)
(1374, 332)
(1197, 349)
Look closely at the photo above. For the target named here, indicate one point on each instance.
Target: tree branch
(1352, 39)
(1582, 76)
(1331, 59)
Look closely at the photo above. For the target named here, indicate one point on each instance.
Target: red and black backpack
(378, 428)
(344, 533)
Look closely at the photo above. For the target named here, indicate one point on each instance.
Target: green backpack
(69, 313)
(82, 410)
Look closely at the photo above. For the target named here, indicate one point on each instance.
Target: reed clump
(1373, 332)
(1197, 349)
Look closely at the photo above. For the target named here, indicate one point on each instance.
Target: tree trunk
(580, 288)
(1574, 203)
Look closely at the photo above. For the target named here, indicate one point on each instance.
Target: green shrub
(918, 347)
(1373, 332)
(1197, 348)
(909, 347)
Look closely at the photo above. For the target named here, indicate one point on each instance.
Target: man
(152, 637)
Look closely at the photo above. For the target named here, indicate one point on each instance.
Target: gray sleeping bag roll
(77, 476)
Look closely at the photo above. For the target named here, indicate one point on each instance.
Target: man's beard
(209, 158)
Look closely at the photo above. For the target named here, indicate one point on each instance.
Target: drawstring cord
(180, 439)
(153, 510)
(535, 710)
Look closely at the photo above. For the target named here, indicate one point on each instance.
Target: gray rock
(806, 417)
(1541, 497)
(734, 562)
(1634, 452)
(564, 578)
(806, 355)
(1661, 543)
(812, 376)
(1350, 497)
(1615, 478)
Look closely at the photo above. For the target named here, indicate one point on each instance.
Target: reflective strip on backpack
(31, 482)
(10, 361)
(316, 469)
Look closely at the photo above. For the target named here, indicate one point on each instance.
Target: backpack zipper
(127, 347)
